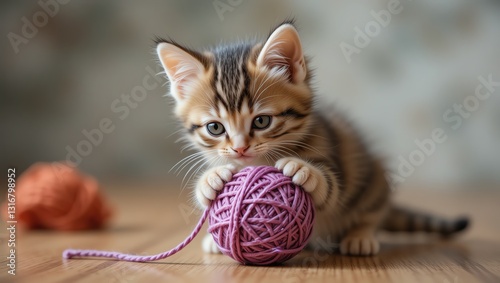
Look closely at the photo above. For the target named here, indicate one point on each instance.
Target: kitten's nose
(240, 150)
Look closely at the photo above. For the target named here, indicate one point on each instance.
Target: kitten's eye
(215, 128)
(261, 122)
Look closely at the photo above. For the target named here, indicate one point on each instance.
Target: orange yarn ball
(57, 196)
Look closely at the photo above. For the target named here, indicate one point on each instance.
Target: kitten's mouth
(244, 158)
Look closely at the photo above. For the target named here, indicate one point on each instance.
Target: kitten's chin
(245, 161)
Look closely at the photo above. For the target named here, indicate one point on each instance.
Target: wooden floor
(152, 219)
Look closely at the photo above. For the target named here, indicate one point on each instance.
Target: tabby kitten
(252, 104)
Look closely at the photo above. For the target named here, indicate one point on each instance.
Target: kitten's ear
(181, 67)
(282, 52)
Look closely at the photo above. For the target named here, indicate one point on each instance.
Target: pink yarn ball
(261, 217)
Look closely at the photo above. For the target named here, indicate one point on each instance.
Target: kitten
(252, 104)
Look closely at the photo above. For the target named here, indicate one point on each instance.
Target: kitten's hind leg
(360, 241)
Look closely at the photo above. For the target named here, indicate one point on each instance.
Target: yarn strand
(260, 217)
(72, 253)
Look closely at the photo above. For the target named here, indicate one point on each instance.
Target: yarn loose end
(259, 218)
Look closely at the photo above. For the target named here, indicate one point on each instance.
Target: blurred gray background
(72, 70)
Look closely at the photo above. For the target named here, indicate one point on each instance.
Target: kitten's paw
(211, 182)
(209, 246)
(306, 175)
(359, 245)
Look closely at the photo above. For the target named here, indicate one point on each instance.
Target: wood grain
(151, 219)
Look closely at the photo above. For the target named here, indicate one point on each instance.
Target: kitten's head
(243, 104)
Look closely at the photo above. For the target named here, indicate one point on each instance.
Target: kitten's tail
(404, 220)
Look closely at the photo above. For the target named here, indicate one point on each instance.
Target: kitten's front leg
(209, 184)
(311, 177)
(209, 246)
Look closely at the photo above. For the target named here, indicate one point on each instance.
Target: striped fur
(321, 151)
